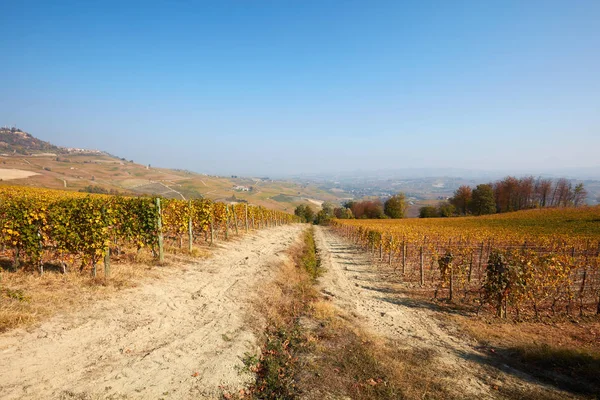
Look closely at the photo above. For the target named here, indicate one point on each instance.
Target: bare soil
(180, 337)
(8, 174)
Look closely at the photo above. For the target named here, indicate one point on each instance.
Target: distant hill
(26, 160)
(13, 140)
(16, 141)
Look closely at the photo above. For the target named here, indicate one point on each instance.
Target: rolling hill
(28, 161)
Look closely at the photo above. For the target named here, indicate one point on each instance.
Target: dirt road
(355, 285)
(180, 337)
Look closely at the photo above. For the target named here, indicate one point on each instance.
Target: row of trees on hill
(509, 194)
(393, 207)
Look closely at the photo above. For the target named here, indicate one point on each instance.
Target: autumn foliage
(40, 226)
(530, 262)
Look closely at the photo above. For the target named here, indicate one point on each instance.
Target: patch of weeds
(16, 294)
(277, 366)
(349, 363)
(289, 300)
(309, 258)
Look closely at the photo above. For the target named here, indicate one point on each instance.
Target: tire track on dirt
(180, 337)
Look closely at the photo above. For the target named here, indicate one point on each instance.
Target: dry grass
(27, 298)
(312, 350)
(346, 362)
(565, 354)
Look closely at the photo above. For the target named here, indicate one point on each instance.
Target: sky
(289, 87)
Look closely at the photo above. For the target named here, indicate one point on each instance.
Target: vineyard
(41, 227)
(529, 263)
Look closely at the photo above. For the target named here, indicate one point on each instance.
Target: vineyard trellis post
(235, 220)
(190, 227)
(226, 222)
(212, 230)
(41, 247)
(16, 262)
(390, 257)
(451, 271)
(107, 263)
(161, 250)
(422, 270)
(246, 212)
(470, 268)
(451, 281)
(480, 259)
(404, 257)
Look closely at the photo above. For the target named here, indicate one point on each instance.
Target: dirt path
(181, 337)
(355, 285)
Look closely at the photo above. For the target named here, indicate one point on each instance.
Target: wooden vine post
(451, 281)
(107, 263)
(235, 220)
(403, 257)
(190, 227)
(470, 267)
(390, 257)
(422, 270)
(226, 221)
(161, 250)
(246, 212)
(451, 266)
(480, 259)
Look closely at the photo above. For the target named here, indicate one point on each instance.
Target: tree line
(393, 207)
(509, 194)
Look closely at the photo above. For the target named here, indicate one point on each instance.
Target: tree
(372, 209)
(461, 199)
(506, 194)
(395, 206)
(563, 193)
(526, 193)
(579, 195)
(483, 201)
(428, 212)
(343, 213)
(300, 210)
(543, 188)
(446, 209)
(326, 213)
(322, 218)
(328, 208)
(305, 212)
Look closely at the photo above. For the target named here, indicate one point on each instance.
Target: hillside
(15, 141)
(29, 161)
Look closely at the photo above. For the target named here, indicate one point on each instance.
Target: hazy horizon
(283, 89)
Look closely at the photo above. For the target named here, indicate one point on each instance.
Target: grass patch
(283, 303)
(313, 351)
(282, 198)
(346, 362)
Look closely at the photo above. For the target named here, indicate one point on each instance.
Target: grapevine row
(511, 273)
(40, 226)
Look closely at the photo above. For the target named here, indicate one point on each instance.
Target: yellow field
(571, 224)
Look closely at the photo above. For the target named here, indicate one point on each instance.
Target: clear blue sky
(276, 87)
